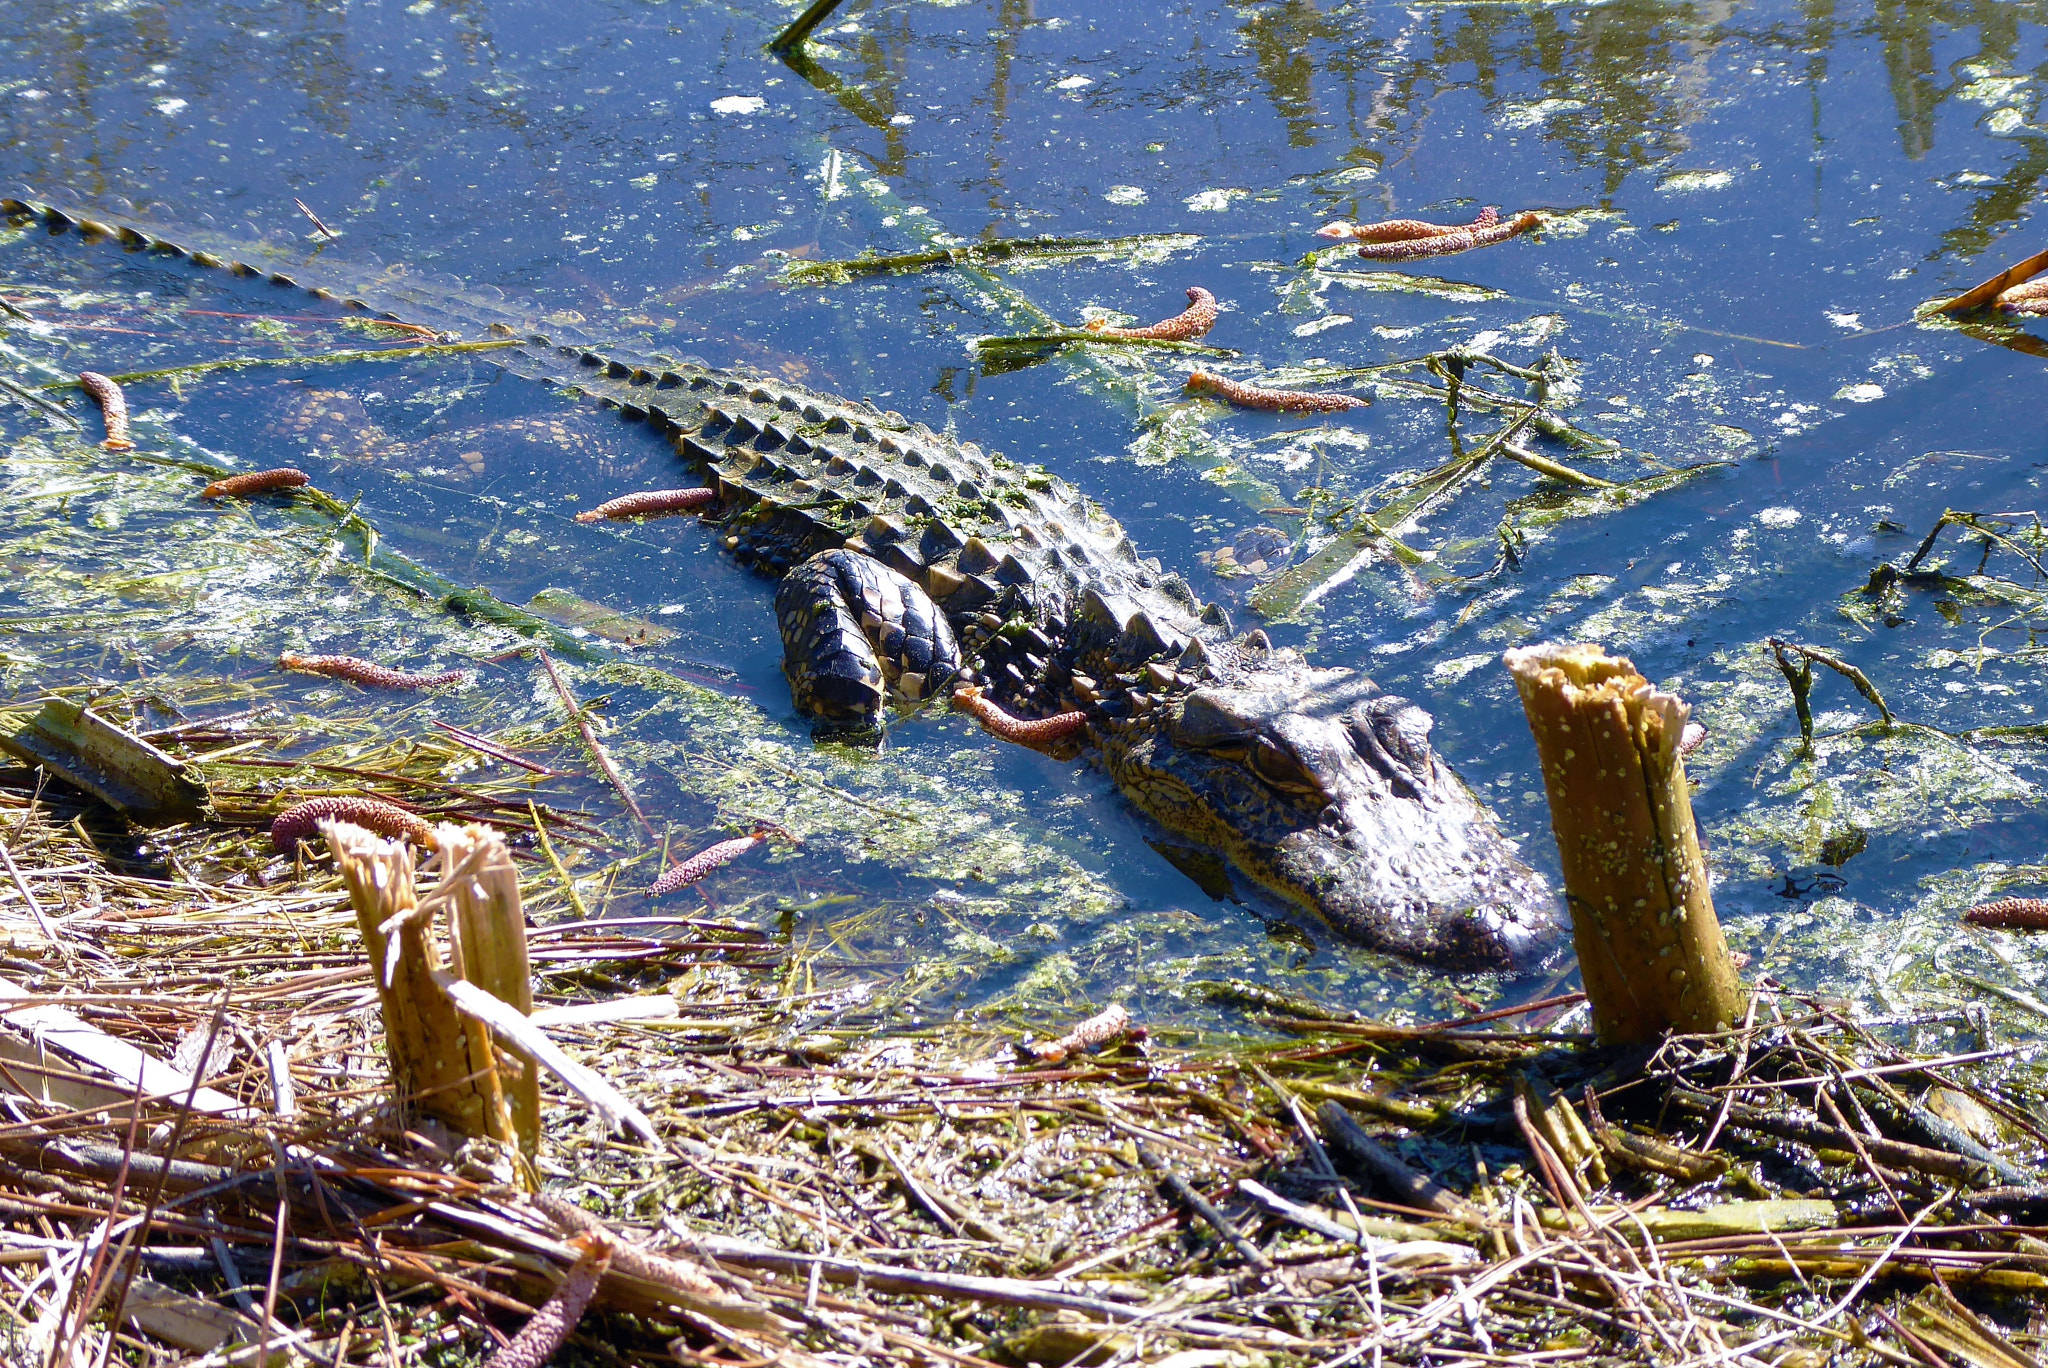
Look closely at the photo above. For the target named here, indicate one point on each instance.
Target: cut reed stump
(444, 1061)
(487, 947)
(1650, 949)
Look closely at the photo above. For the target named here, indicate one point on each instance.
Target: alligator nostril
(1386, 749)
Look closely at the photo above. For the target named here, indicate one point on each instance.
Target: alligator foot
(854, 632)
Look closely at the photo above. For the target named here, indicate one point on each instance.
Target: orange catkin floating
(1278, 400)
(1481, 233)
(649, 503)
(1042, 731)
(1405, 230)
(1408, 239)
(2011, 914)
(368, 673)
(703, 862)
(256, 482)
(1195, 320)
(302, 820)
(113, 408)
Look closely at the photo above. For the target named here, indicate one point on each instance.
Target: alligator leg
(854, 632)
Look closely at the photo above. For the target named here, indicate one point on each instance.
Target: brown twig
(320, 227)
(1178, 1189)
(597, 751)
(483, 745)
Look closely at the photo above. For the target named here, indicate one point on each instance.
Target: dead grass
(1324, 1190)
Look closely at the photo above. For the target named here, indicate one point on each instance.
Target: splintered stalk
(1650, 949)
(441, 1062)
(487, 946)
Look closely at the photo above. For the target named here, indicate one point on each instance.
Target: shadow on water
(1744, 206)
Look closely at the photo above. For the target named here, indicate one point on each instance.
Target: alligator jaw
(1327, 792)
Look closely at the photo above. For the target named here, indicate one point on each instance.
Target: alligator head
(1327, 791)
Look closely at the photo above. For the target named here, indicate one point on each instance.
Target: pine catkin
(1042, 731)
(2011, 914)
(113, 409)
(255, 482)
(1272, 400)
(368, 673)
(649, 503)
(703, 862)
(1194, 321)
(302, 820)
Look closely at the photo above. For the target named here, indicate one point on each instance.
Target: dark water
(1746, 203)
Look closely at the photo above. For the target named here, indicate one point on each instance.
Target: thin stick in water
(597, 751)
(324, 230)
(793, 37)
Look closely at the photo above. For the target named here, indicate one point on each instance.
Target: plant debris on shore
(202, 1153)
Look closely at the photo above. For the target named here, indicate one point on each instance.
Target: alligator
(911, 563)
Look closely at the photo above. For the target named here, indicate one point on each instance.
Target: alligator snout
(1329, 793)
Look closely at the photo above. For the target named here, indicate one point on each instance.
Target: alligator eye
(1282, 770)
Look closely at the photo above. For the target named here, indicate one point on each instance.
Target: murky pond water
(1743, 207)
